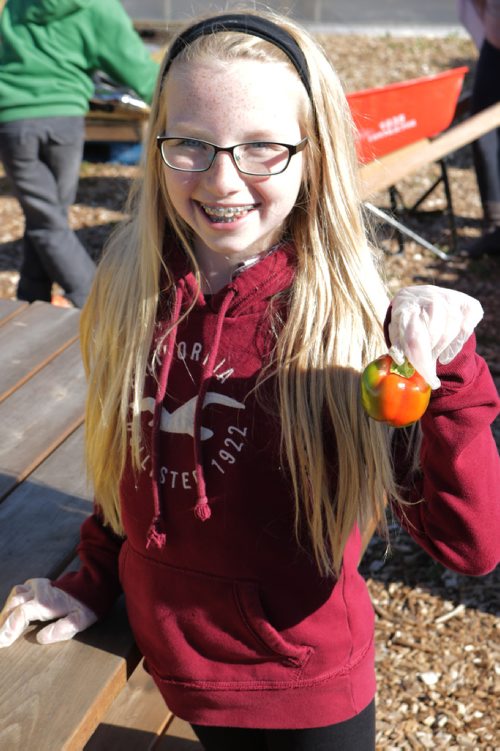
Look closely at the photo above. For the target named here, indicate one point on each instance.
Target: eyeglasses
(254, 158)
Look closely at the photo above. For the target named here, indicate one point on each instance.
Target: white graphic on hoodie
(181, 420)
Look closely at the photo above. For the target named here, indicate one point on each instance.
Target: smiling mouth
(226, 214)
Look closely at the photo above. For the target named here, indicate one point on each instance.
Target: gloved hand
(431, 323)
(38, 600)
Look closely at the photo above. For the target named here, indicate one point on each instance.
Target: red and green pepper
(395, 394)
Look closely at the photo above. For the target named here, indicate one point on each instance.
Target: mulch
(437, 631)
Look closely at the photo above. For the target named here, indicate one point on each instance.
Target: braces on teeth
(226, 212)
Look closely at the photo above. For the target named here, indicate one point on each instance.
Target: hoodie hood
(42, 12)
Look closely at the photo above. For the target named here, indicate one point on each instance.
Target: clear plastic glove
(38, 600)
(429, 324)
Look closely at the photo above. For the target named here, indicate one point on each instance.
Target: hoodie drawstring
(279, 269)
(156, 533)
(202, 509)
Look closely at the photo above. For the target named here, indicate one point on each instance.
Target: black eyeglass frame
(292, 150)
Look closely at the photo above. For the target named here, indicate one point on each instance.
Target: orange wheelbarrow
(390, 117)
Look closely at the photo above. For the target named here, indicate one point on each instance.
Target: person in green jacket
(49, 50)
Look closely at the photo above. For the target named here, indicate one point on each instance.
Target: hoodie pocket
(200, 629)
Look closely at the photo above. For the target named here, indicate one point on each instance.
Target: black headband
(246, 24)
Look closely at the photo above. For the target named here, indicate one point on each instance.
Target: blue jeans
(42, 158)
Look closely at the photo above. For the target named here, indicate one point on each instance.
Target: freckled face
(227, 104)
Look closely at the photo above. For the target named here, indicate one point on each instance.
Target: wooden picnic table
(119, 125)
(91, 692)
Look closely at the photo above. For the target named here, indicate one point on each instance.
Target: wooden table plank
(136, 718)
(10, 308)
(36, 335)
(53, 696)
(39, 416)
(114, 130)
(40, 521)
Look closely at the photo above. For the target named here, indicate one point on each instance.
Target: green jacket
(50, 48)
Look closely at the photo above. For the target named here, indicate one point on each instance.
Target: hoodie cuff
(96, 584)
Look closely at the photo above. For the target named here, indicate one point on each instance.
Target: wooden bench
(91, 692)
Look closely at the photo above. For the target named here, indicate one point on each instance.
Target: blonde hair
(333, 327)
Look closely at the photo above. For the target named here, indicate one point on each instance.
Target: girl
(233, 466)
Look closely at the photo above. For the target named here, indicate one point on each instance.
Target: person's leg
(230, 739)
(35, 283)
(486, 150)
(42, 158)
(61, 151)
(356, 734)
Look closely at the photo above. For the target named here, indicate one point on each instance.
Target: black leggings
(356, 734)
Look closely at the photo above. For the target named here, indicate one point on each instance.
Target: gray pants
(42, 158)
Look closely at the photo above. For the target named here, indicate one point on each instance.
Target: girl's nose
(224, 175)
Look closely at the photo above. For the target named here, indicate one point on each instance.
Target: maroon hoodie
(237, 626)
